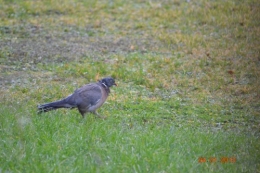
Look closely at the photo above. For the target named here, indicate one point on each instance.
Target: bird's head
(108, 82)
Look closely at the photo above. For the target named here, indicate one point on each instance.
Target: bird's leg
(99, 116)
(82, 113)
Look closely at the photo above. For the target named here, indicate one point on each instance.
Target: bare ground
(23, 48)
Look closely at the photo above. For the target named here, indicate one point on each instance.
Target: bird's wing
(89, 94)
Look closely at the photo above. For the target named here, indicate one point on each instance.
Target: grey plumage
(87, 98)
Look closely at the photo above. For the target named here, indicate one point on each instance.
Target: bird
(88, 98)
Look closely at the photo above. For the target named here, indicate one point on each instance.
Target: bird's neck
(106, 87)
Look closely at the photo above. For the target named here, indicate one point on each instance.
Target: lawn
(187, 100)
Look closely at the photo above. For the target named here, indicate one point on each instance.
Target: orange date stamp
(215, 159)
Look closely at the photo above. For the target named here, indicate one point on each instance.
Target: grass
(188, 75)
(60, 143)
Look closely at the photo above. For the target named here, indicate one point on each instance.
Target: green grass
(60, 142)
(188, 76)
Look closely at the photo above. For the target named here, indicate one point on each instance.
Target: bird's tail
(54, 105)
